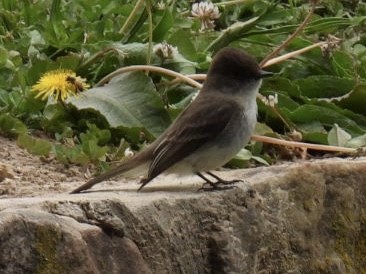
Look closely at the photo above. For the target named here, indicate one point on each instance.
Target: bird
(209, 132)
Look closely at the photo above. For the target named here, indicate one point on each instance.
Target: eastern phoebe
(210, 131)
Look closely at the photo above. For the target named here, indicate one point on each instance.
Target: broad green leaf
(311, 113)
(34, 145)
(102, 136)
(359, 119)
(314, 132)
(233, 32)
(182, 40)
(327, 24)
(132, 53)
(314, 126)
(69, 62)
(11, 126)
(260, 160)
(324, 86)
(356, 100)
(3, 56)
(316, 137)
(54, 111)
(180, 63)
(280, 83)
(163, 26)
(276, 17)
(262, 129)
(343, 64)
(241, 159)
(74, 154)
(36, 38)
(55, 10)
(91, 148)
(273, 31)
(129, 101)
(357, 142)
(338, 136)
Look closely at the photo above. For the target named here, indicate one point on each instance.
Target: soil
(23, 174)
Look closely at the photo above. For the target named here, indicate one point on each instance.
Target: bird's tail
(129, 165)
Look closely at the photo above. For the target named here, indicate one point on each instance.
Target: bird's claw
(219, 185)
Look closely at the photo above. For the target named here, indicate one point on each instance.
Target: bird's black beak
(265, 74)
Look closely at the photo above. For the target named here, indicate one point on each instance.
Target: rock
(308, 217)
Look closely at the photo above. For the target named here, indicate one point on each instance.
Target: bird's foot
(219, 185)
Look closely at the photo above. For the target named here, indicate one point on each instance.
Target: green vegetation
(321, 93)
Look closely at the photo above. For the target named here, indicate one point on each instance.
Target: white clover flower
(271, 100)
(295, 135)
(207, 13)
(128, 152)
(331, 44)
(161, 5)
(165, 50)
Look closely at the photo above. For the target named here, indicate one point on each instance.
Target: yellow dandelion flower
(60, 84)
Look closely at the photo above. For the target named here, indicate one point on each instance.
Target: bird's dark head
(233, 67)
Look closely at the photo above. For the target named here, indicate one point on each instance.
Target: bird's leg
(215, 185)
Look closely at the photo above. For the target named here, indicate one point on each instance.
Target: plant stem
(149, 68)
(233, 32)
(289, 55)
(96, 56)
(291, 37)
(270, 140)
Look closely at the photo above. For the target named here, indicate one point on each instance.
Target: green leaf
(327, 24)
(235, 31)
(34, 145)
(314, 132)
(182, 40)
(276, 17)
(91, 148)
(129, 101)
(324, 86)
(11, 126)
(241, 159)
(163, 26)
(74, 154)
(343, 64)
(281, 83)
(355, 101)
(260, 160)
(180, 63)
(3, 56)
(357, 142)
(338, 136)
(316, 137)
(310, 113)
(68, 62)
(262, 129)
(101, 135)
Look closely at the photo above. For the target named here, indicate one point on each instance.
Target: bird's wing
(192, 129)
